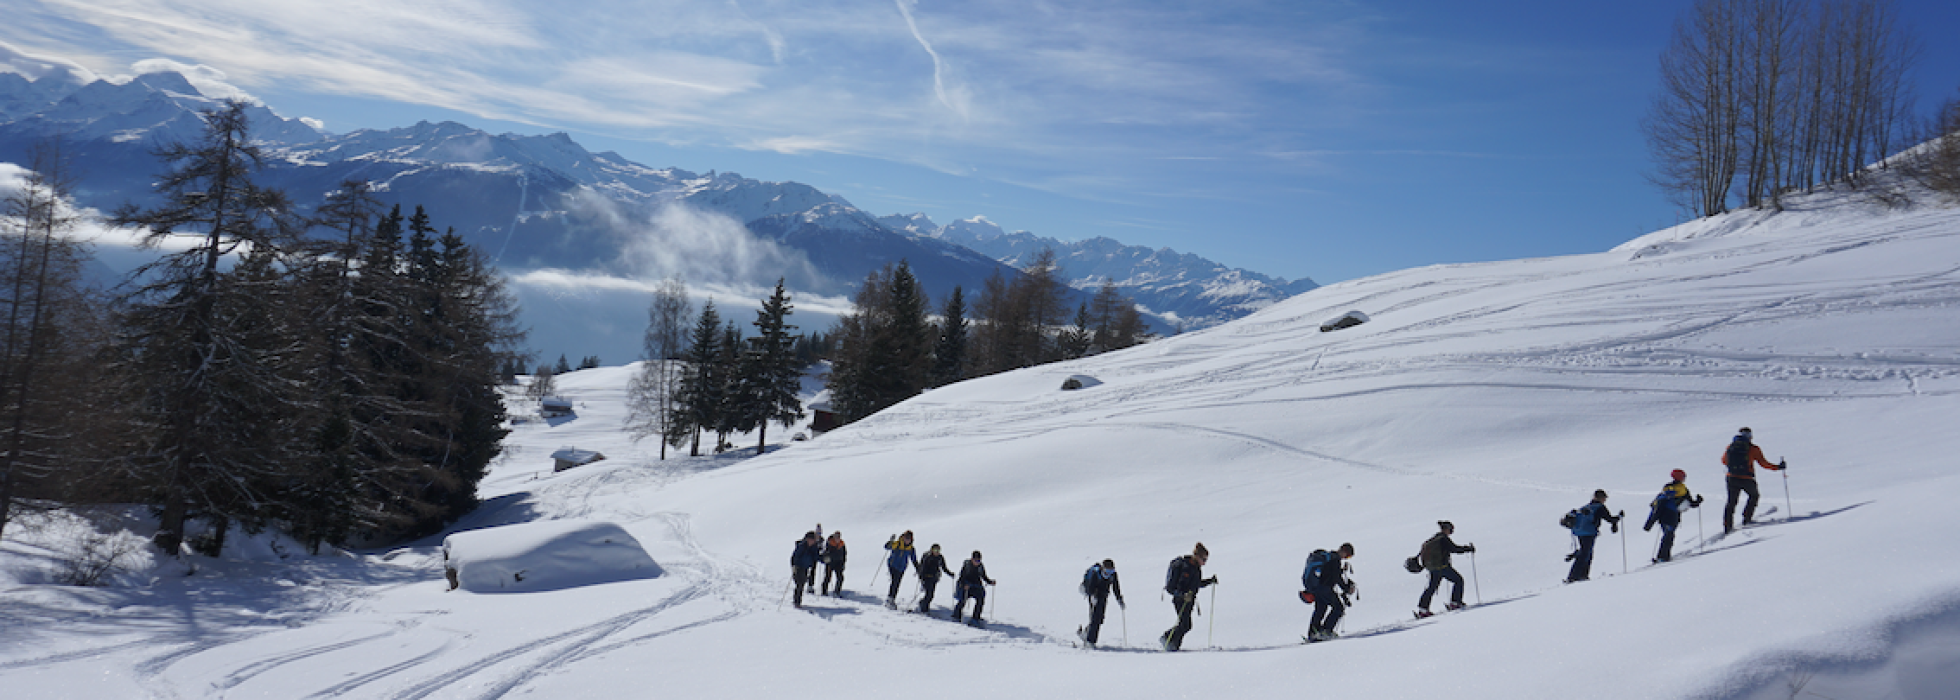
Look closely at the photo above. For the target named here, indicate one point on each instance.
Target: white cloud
(206, 79)
(34, 67)
(315, 123)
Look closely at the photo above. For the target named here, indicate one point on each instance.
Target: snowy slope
(1494, 395)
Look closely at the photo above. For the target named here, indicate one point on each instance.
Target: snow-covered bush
(544, 556)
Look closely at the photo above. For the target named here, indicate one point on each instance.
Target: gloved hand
(1696, 503)
(1648, 526)
(1212, 580)
(1616, 528)
(1121, 604)
(1471, 548)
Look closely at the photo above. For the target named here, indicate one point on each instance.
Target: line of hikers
(1326, 580)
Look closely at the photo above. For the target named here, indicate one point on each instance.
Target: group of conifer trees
(334, 375)
(890, 348)
(709, 378)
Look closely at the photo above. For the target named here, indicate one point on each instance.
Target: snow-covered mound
(1496, 396)
(544, 556)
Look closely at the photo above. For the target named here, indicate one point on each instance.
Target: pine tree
(200, 387)
(771, 378)
(949, 353)
(700, 391)
(884, 345)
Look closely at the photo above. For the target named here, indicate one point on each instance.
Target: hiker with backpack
(1323, 574)
(1585, 526)
(971, 585)
(1741, 459)
(1435, 556)
(1182, 581)
(1666, 511)
(833, 561)
(901, 554)
(930, 567)
(1097, 583)
(803, 564)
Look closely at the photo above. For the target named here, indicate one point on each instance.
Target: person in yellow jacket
(1666, 512)
(1741, 458)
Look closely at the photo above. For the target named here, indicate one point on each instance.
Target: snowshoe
(1420, 614)
(1455, 606)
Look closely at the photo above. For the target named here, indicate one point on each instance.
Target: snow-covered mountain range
(536, 202)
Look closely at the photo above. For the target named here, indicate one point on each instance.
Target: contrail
(938, 67)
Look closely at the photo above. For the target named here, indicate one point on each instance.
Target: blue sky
(1329, 140)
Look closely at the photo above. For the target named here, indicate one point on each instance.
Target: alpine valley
(583, 235)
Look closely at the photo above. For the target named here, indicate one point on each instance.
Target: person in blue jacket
(1586, 528)
(901, 554)
(803, 563)
(1666, 512)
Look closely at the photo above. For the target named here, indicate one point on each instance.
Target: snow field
(1495, 395)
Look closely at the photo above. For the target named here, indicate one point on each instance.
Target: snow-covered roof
(577, 456)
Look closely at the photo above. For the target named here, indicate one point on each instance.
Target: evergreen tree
(701, 387)
(884, 345)
(735, 403)
(201, 387)
(771, 377)
(1074, 341)
(949, 353)
(562, 367)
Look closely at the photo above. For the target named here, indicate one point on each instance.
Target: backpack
(1737, 458)
(1311, 577)
(1570, 520)
(1170, 574)
(1089, 582)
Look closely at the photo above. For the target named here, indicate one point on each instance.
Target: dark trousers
(799, 576)
(1186, 603)
(1097, 606)
(898, 577)
(1666, 552)
(927, 585)
(974, 592)
(1582, 561)
(1740, 486)
(1436, 579)
(1327, 610)
(827, 571)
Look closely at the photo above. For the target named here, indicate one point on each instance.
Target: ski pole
(1125, 610)
(786, 592)
(1473, 579)
(994, 592)
(1212, 623)
(1788, 510)
(1623, 543)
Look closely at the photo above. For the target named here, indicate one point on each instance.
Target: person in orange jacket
(1741, 458)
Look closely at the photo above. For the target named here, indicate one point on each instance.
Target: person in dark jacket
(1328, 607)
(803, 563)
(971, 585)
(1185, 577)
(1586, 528)
(901, 553)
(1666, 512)
(1741, 459)
(930, 567)
(834, 554)
(1098, 582)
(1436, 559)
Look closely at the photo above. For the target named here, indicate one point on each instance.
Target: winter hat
(1445, 524)
(976, 554)
(1599, 494)
(1678, 475)
(1109, 563)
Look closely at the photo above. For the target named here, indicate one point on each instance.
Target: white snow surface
(544, 556)
(1494, 395)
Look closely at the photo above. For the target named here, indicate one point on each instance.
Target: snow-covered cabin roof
(577, 456)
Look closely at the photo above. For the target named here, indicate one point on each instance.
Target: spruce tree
(700, 390)
(949, 352)
(771, 377)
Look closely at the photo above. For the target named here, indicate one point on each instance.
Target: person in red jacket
(1741, 458)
